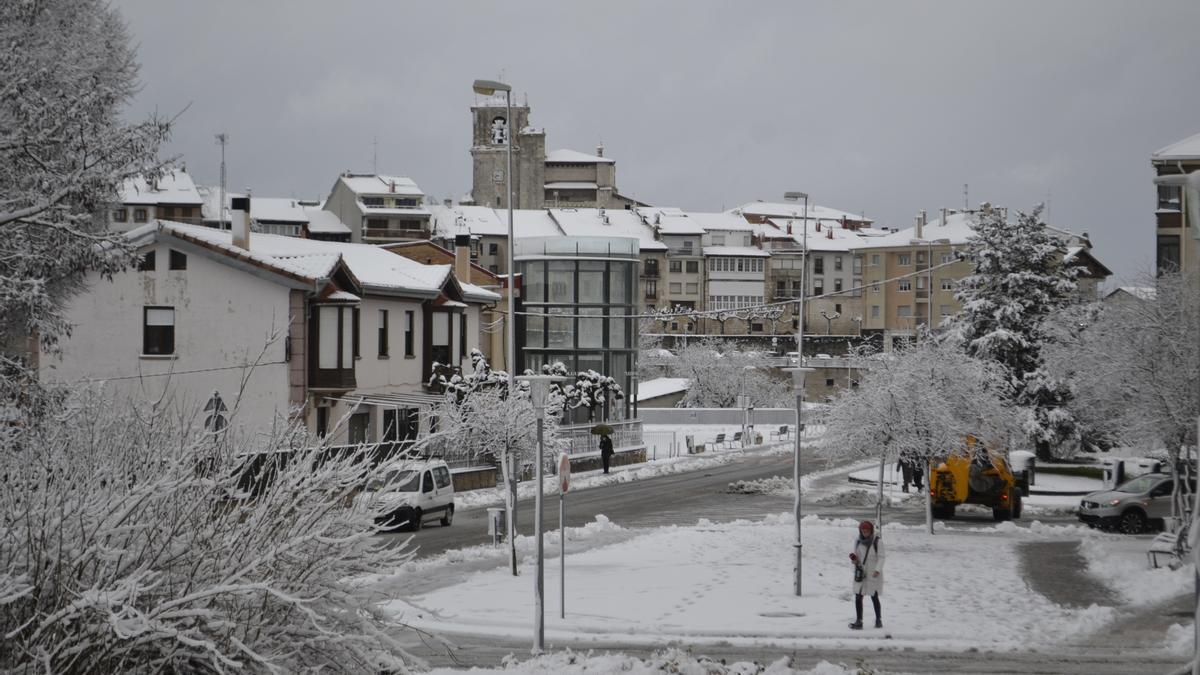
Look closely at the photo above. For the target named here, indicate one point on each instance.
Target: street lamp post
(539, 388)
(798, 377)
(744, 403)
(489, 88)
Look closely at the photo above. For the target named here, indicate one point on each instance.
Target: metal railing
(579, 439)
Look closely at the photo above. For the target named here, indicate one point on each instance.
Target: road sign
(564, 472)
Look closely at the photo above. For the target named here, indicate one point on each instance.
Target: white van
(412, 494)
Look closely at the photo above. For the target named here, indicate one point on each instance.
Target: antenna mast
(375, 155)
(966, 202)
(222, 140)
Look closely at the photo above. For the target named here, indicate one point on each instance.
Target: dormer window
(373, 202)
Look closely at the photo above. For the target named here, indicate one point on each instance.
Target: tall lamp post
(489, 88)
(798, 377)
(539, 388)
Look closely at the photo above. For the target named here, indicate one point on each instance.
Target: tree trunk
(929, 494)
(879, 496)
(508, 475)
(1042, 449)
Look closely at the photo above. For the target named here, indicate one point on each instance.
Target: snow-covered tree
(718, 378)
(921, 402)
(1134, 365)
(1019, 280)
(67, 69)
(131, 540)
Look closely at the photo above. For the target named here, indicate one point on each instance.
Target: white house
(340, 336)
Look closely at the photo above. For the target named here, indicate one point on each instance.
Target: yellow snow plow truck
(980, 476)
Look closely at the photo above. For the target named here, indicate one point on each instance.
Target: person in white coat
(867, 558)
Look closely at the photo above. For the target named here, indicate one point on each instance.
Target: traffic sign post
(564, 484)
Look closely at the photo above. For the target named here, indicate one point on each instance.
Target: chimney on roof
(462, 257)
(789, 227)
(391, 186)
(829, 233)
(600, 150)
(240, 222)
(921, 224)
(945, 214)
(818, 226)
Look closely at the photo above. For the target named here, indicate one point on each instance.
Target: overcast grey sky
(877, 107)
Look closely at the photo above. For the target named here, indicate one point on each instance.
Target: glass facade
(577, 295)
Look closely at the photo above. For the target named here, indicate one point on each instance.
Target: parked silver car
(1132, 507)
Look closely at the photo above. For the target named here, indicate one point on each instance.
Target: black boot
(857, 625)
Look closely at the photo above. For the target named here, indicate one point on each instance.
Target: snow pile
(1120, 562)
(848, 498)
(774, 485)
(727, 583)
(568, 662)
(1180, 640)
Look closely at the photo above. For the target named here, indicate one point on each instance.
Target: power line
(184, 372)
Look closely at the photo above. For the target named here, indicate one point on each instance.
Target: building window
(920, 257)
(1168, 197)
(373, 202)
(408, 333)
(676, 266)
(837, 263)
(875, 259)
(858, 264)
(462, 335)
(819, 287)
(874, 288)
(904, 259)
(947, 258)
(404, 202)
(693, 288)
(904, 285)
(1167, 254)
(874, 311)
(358, 428)
(920, 283)
(693, 267)
(322, 421)
(945, 309)
(756, 328)
(377, 223)
(818, 265)
(837, 285)
(904, 311)
(139, 215)
(797, 288)
(837, 308)
(354, 333)
(493, 249)
(856, 289)
(120, 215)
(676, 288)
(158, 330)
(947, 284)
(146, 263)
(651, 289)
(383, 333)
(780, 288)
(718, 240)
(829, 382)
(178, 260)
(493, 269)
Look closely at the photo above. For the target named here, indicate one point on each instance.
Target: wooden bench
(783, 432)
(736, 440)
(1165, 544)
(720, 440)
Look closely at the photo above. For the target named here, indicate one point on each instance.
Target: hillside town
(551, 424)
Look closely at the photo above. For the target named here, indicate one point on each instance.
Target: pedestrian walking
(904, 466)
(867, 558)
(606, 451)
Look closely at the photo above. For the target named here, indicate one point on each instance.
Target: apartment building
(341, 337)
(379, 209)
(911, 275)
(143, 199)
(577, 179)
(684, 281)
(1176, 246)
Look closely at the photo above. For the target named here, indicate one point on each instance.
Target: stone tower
(489, 138)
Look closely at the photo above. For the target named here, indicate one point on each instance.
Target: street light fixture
(539, 390)
(489, 88)
(798, 374)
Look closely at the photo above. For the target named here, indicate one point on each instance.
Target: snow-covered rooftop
(322, 221)
(1139, 292)
(174, 187)
(662, 386)
(378, 184)
(277, 209)
(1188, 148)
(742, 251)
(830, 237)
(575, 157)
(787, 209)
(610, 223)
(376, 268)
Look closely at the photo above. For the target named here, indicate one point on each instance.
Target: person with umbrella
(606, 444)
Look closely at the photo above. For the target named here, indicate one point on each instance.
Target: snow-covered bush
(132, 541)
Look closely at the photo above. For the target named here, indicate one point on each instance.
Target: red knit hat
(867, 525)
